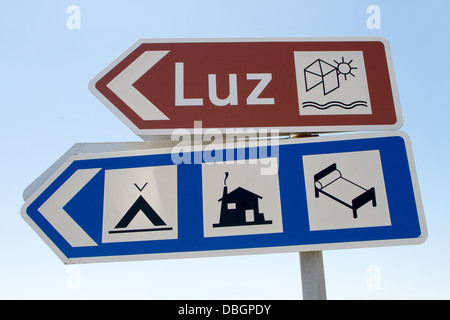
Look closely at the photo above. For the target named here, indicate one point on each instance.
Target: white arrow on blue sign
(304, 194)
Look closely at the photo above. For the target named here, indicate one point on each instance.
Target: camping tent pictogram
(140, 205)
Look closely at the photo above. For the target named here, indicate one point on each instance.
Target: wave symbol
(334, 104)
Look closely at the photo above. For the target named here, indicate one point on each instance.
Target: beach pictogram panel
(332, 83)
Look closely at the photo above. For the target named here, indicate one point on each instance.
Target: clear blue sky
(46, 107)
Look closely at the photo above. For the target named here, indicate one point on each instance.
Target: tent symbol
(140, 205)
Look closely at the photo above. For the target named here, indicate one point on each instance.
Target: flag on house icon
(240, 207)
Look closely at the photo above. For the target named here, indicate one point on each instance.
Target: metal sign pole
(313, 276)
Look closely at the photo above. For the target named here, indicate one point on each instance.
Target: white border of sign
(144, 133)
(97, 150)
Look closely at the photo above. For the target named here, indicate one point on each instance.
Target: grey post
(313, 276)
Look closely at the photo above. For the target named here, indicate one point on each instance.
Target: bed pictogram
(332, 184)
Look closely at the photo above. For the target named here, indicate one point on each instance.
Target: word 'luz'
(232, 99)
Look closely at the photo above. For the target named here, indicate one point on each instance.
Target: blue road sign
(304, 194)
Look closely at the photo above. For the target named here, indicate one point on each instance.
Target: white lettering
(232, 98)
(245, 309)
(180, 100)
(253, 98)
(206, 311)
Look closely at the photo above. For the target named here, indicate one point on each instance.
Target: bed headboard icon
(332, 184)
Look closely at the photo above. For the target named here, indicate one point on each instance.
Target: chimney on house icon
(225, 188)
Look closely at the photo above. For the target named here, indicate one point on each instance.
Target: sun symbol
(345, 68)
